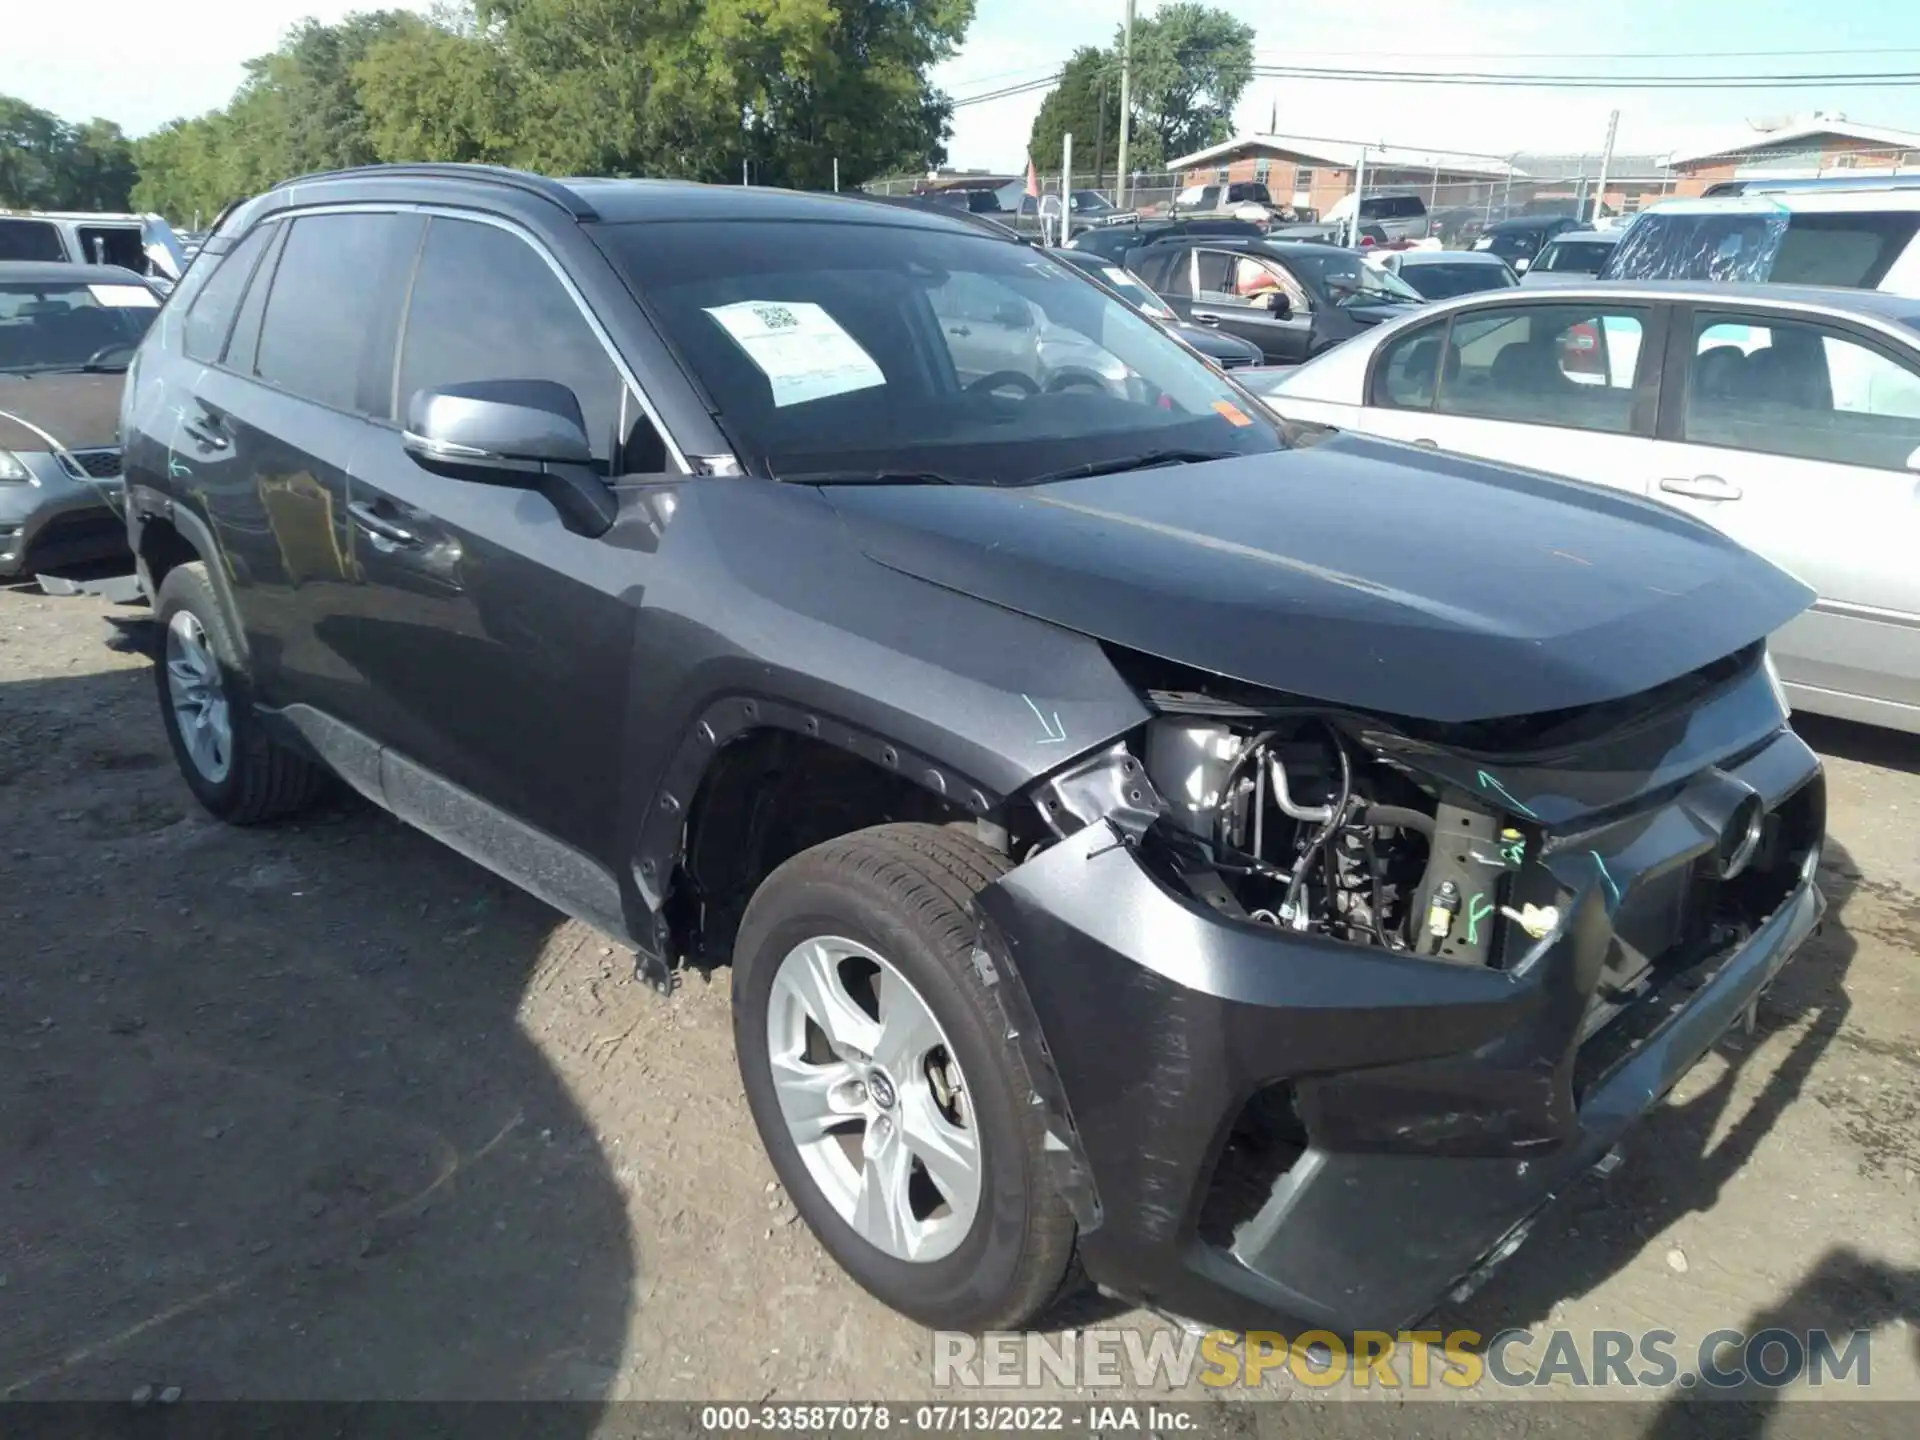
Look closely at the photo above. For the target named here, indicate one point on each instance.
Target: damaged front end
(1327, 1004)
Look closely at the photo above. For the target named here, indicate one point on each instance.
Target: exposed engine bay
(1291, 820)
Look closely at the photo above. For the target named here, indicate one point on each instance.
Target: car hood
(82, 412)
(1356, 572)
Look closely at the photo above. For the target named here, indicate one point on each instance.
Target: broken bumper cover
(1441, 1106)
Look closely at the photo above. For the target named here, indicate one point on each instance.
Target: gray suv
(1138, 830)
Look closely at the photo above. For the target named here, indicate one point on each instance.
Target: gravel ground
(324, 1111)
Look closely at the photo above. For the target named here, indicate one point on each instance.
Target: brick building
(1821, 144)
(1303, 171)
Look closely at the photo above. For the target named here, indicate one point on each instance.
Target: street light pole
(1606, 164)
(1126, 99)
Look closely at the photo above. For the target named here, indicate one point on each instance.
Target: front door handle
(1702, 487)
(1205, 317)
(207, 431)
(369, 519)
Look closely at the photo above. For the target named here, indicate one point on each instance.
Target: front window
(61, 325)
(1351, 281)
(871, 351)
(1560, 365)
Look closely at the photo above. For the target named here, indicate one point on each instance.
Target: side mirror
(1520, 265)
(524, 433)
(1278, 305)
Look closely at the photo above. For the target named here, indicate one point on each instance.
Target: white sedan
(1787, 417)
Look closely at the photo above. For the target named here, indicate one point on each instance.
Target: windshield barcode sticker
(801, 349)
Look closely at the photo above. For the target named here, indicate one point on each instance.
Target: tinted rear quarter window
(1853, 250)
(29, 240)
(113, 245)
(332, 318)
(487, 306)
(204, 336)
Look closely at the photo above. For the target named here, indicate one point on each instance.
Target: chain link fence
(1459, 204)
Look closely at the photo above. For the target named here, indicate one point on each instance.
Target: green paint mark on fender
(1487, 782)
(1478, 909)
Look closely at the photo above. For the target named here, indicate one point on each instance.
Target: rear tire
(232, 765)
(885, 911)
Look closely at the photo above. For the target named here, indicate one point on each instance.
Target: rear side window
(29, 240)
(1852, 250)
(204, 336)
(487, 306)
(1393, 207)
(1782, 387)
(331, 319)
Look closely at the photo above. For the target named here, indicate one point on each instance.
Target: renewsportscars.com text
(1405, 1360)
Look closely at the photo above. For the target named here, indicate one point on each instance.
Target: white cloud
(144, 63)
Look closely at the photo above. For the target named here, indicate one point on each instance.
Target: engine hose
(1397, 817)
(1335, 819)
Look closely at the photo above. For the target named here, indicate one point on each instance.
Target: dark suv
(1271, 869)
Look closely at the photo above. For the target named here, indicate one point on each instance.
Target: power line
(1594, 54)
(1589, 82)
(1513, 79)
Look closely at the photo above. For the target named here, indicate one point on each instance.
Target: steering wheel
(106, 353)
(1005, 380)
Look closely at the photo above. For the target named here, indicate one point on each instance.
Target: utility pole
(1359, 199)
(1066, 186)
(1126, 98)
(1100, 132)
(836, 174)
(1606, 163)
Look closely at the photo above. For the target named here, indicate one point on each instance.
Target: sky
(143, 64)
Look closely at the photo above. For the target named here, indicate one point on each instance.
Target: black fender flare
(145, 504)
(728, 718)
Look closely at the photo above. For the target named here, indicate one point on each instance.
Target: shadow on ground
(268, 1125)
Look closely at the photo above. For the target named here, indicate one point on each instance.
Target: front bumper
(1437, 1106)
(56, 521)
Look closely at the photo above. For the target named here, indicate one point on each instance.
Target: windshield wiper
(872, 477)
(1146, 461)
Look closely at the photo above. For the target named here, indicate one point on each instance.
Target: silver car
(1788, 417)
(67, 333)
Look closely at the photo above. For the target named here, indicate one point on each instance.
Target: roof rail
(526, 182)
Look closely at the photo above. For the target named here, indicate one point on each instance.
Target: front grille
(97, 464)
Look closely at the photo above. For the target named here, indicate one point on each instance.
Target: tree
(1191, 64)
(1086, 105)
(438, 92)
(47, 164)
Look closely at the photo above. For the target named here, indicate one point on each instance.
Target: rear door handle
(1702, 487)
(1428, 444)
(1205, 317)
(369, 519)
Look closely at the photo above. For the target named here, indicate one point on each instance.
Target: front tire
(234, 768)
(890, 1099)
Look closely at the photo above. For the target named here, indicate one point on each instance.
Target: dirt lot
(325, 1111)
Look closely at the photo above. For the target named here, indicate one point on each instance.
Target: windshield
(48, 325)
(1441, 281)
(844, 351)
(1585, 257)
(1351, 280)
